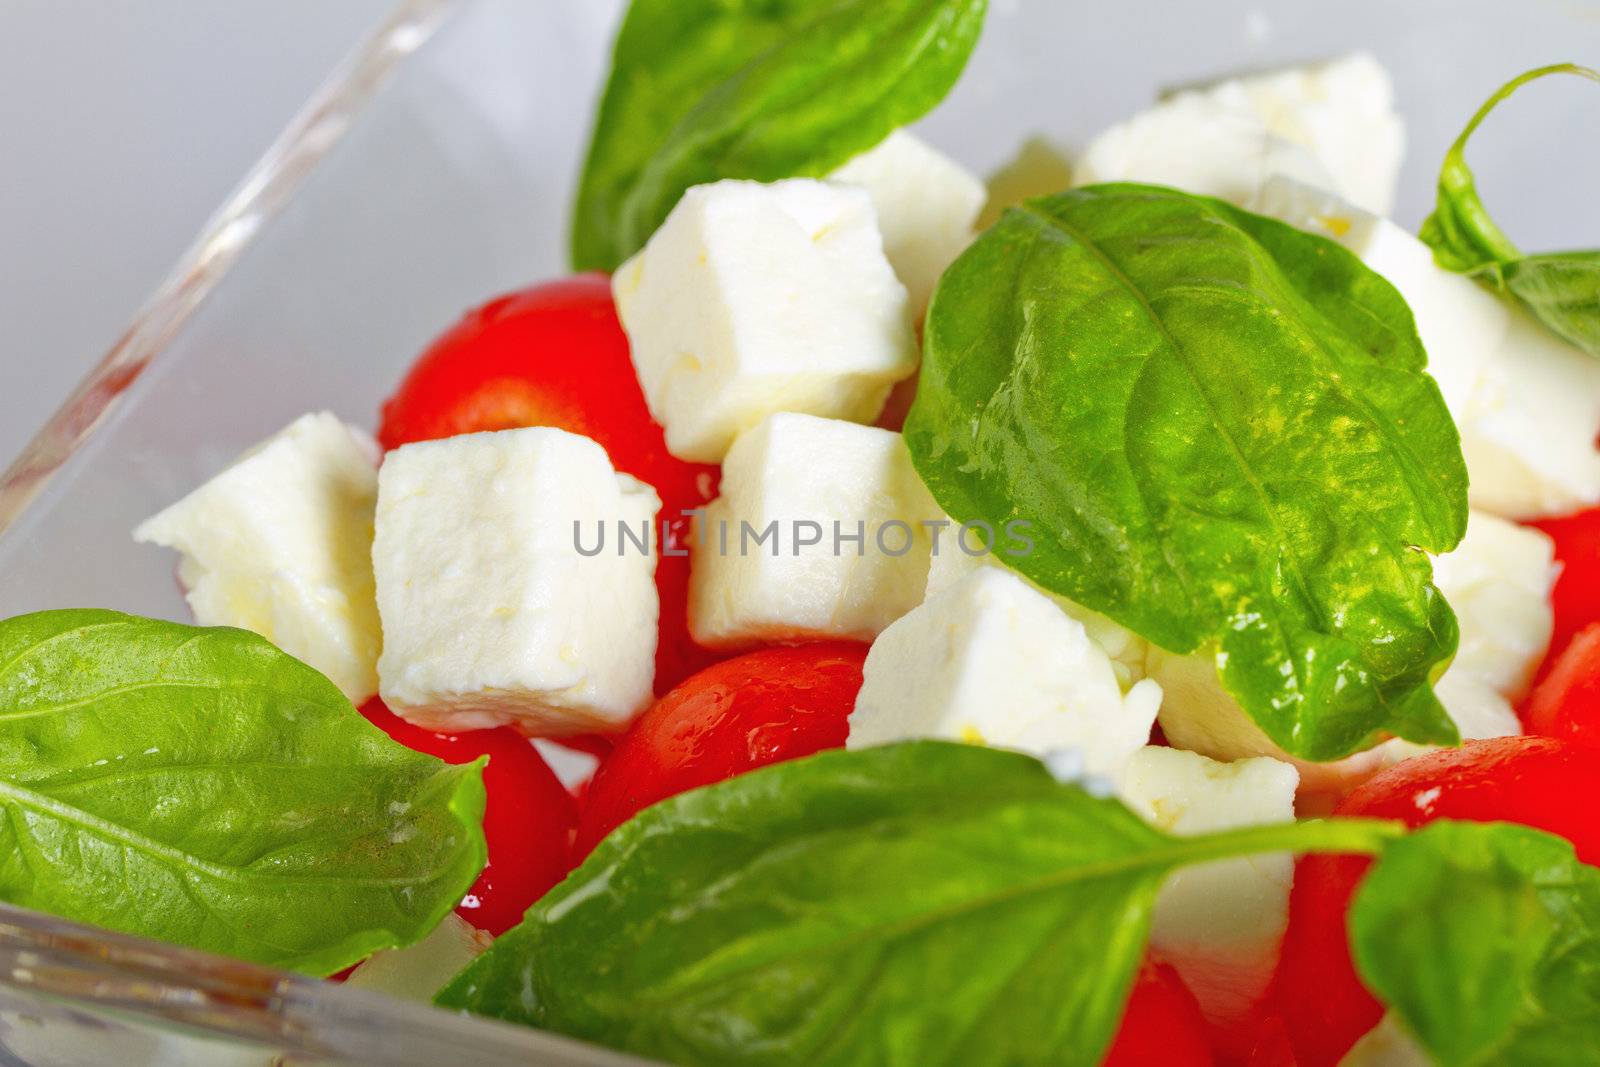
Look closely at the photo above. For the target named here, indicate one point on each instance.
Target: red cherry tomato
(763, 707)
(555, 355)
(1537, 781)
(1161, 1026)
(1576, 596)
(1566, 703)
(527, 820)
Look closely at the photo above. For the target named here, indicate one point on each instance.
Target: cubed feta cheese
(281, 543)
(753, 299)
(991, 660)
(1220, 924)
(496, 607)
(819, 531)
(926, 204)
(1332, 125)
(1527, 404)
(1388, 1044)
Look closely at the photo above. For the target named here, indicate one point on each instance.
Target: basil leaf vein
(201, 787)
(1222, 435)
(702, 90)
(1561, 289)
(918, 903)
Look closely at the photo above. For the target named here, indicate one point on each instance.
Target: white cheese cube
(1194, 143)
(1342, 111)
(952, 562)
(1388, 1044)
(281, 543)
(1331, 125)
(992, 661)
(753, 299)
(1220, 924)
(1498, 581)
(1526, 403)
(818, 532)
(926, 204)
(494, 609)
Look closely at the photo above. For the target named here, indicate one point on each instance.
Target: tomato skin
(1541, 782)
(1575, 598)
(555, 355)
(762, 707)
(1566, 703)
(527, 821)
(1161, 1026)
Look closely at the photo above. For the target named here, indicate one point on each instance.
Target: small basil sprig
(1221, 431)
(1561, 289)
(702, 90)
(1485, 939)
(201, 787)
(917, 903)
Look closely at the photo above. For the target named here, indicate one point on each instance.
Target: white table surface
(123, 125)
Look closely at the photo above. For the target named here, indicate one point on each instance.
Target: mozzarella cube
(952, 561)
(1526, 403)
(1342, 111)
(1197, 144)
(1498, 581)
(1038, 169)
(1220, 924)
(281, 543)
(992, 661)
(496, 607)
(753, 299)
(818, 532)
(1332, 125)
(926, 204)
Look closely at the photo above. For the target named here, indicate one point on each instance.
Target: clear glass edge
(267, 188)
(52, 961)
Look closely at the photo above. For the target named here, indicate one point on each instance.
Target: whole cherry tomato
(763, 707)
(1161, 1026)
(528, 816)
(1540, 782)
(555, 355)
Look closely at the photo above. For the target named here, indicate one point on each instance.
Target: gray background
(123, 125)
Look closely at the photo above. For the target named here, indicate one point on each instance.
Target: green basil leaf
(199, 786)
(702, 90)
(1485, 939)
(1222, 435)
(1561, 289)
(917, 903)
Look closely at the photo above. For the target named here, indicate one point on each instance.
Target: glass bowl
(433, 171)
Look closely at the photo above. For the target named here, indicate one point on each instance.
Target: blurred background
(123, 125)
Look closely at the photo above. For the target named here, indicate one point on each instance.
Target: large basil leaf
(1220, 431)
(1485, 938)
(201, 787)
(921, 903)
(1562, 289)
(707, 89)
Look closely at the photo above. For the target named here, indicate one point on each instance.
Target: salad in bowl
(1140, 608)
